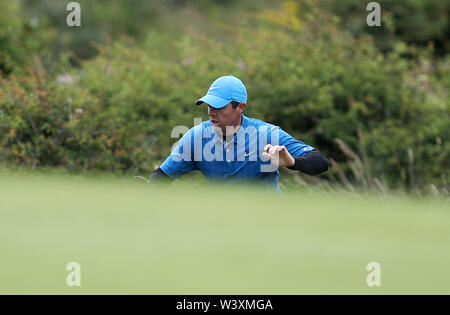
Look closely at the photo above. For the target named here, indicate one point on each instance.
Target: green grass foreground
(186, 239)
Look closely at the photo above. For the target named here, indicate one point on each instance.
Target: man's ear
(241, 107)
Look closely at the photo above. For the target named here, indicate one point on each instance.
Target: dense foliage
(380, 116)
(416, 22)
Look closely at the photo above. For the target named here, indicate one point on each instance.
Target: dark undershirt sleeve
(313, 163)
(158, 175)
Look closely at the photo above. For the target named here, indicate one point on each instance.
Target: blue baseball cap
(223, 91)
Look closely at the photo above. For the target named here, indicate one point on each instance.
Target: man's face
(226, 116)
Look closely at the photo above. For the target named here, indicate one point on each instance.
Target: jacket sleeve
(312, 163)
(158, 175)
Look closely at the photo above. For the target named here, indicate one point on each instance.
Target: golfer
(236, 148)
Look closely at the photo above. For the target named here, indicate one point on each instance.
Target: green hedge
(21, 39)
(301, 72)
(416, 22)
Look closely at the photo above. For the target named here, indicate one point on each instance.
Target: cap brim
(213, 101)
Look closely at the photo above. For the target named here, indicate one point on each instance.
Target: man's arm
(313, 163)
(296, 155)
(179, 162)
(158, 175)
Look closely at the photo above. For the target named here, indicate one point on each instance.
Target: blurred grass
(193, 239)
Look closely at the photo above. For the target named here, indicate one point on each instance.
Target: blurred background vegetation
(105, 96)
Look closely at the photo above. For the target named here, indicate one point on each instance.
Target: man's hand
(278, 155)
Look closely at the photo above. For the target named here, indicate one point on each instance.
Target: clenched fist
(278, 155)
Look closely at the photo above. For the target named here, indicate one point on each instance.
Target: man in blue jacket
(236, 148)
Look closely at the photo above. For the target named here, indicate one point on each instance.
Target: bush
(416, 22)
(44, 123)
(106, 20)
(21, 39)
(321, 84)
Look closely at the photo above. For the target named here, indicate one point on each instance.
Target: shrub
(302, 72)
(416, 22)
